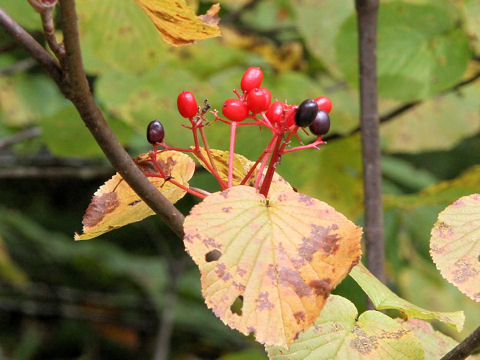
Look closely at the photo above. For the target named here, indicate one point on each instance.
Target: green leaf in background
(434, 343)
(471, 12)
(405, 174)
(245, 355)
(442, 193)
(421, 51)
(117, 34)
(320, 33)
(438, 123)
(339, 335)
(66, 135)
(23, 13)
(25, 99)
(383, 298)
(332, 174)
(9, 271)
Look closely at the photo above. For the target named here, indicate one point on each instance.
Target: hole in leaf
(237, 305)
(213, 255)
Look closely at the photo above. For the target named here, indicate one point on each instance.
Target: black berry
(306, 113)
(155, 132)
(321, 124)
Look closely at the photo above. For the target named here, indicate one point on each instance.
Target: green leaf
(421, 50)
(278, 265)
(455, 245)
(23, 13)
(117, 34)
(383, 298)
(339, 335)
(403, 173)
(438, 123)
(471, 12)
(439, 194)
(435, 344)
(9, 271)
(26, 98)
(319, 22)
(65, 134)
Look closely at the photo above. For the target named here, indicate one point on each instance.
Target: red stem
(176, 183)
(271, 167)
(261, 157)
(231, 153)
(214, 167)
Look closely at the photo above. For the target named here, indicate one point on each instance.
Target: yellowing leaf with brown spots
(115, 204)
(340, 334)
(178, 24)
(268, 265)
(241, 166)
(455, 245)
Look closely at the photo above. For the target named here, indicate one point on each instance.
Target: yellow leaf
(268, 265)
(178, 24)
(115, 204)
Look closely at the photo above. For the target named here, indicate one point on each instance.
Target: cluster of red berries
(255, 100)
(254, 103)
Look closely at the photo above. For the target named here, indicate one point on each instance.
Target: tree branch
(367, 14)
(465, 348)
(73, 83)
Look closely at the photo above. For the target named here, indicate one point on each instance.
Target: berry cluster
(254, 104)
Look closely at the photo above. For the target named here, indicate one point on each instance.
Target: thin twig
(465, 348)
(80, 95)
(21, 136)
(367, 14)
(20, 66)
(49, 31)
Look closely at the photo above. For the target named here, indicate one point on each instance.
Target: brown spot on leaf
(262, 301)
(319, 239)
(134, 202)
(238, 286)
(220, 270)
(463, 271)
(322, 286)
(363, 343)
(99, 207)
(305, 199)
(210, 242)
(227, 209)
(444, 231)
(299, 316)
(289, 277)
(241, 272)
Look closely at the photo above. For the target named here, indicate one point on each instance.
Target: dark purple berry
(155, 132)
(321, 124)
(306, 113)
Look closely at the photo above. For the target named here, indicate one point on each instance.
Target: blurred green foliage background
(109, 297)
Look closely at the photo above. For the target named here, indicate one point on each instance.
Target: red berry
(275, 112)
(324, 103)
(251, 79)
(235, 110)
(155, 132)
(258, 100)
(187, 104)
(321, 124)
